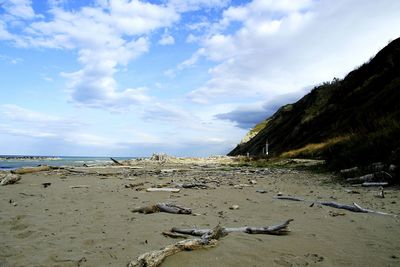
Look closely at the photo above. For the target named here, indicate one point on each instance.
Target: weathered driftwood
(10, 178)
(164, 189)
(289, 198)
(155, 258)
(163, 207)
(279, 229)
(365, 178)
(26, 170)
(78, 186)
(380, 176)
(372, 184)
(133, 185)
(116, 162)
(208, 238)
(174, 235)
(354, 208)
(193, 185)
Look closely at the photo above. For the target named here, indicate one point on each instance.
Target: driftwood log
(163, 207)
(9, 178)
(207, 238)
(354, 208)
(380, 176)
(26, 170)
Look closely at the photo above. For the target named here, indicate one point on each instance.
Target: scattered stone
(234, 207)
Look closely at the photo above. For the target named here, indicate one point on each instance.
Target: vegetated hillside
(354, 121)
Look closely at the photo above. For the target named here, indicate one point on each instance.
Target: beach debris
(163, 189)
(12, 202)
(353, 208)
(193, 185)
(234, 207)
(261, 191)
(116, 162)
(288, 198)
(78, 186)
(46, 184)
(206, 238)
(174, 235)
(335, 214)
(9, 178)
(26, 170)
(381, 193)
(133, 185)
(163, 207)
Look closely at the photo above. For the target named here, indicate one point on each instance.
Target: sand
(63, 226)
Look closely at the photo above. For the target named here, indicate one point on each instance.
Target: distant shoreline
(29, 158)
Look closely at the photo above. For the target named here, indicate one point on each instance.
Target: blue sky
(129, 78)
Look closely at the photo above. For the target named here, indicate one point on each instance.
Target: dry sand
(94, 226)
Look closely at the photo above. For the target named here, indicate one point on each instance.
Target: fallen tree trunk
(163, 207)
(26, 170)
(208, 238)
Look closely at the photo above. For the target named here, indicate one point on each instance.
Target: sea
(10, 162)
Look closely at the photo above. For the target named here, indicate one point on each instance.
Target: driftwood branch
(352, 208)
(116, 162)
(163, 207)
(208, 238)
(279, 229)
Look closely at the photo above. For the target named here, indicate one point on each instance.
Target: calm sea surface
(13, 162)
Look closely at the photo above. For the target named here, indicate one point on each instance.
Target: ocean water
(12, 162)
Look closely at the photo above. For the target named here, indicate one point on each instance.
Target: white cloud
(282, 46)
(191, 5)
(19, 8)
(106, 38)
(166, 40)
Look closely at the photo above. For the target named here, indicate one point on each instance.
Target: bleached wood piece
(163, 207)
(164, 189)
(10, 179)
(26, 170)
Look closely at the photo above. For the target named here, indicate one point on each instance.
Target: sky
(183, 77)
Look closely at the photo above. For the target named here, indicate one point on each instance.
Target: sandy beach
(93, 225)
